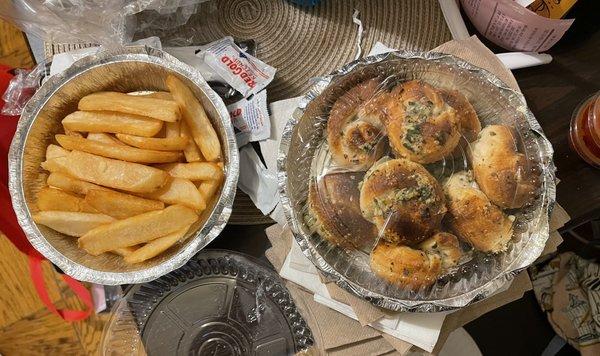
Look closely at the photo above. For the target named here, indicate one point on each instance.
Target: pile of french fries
(132, 173)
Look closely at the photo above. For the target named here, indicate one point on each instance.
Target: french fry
(193, 113)
(193, 171)
(70, 184)
(160, 109)
(104, 138)
(122, 152)
(73, 133)
(180, 191)
(155, 247)
(154, 143)
(58, 200)
(124, 251)
(121, 205)
(137, 229)
(172, 129)
(54, 151)
(132, 177)
(71, 223)
(164, 95)
(208, 189)
(192, 152)
(113, 122)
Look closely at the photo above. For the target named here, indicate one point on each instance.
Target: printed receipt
(511, 26)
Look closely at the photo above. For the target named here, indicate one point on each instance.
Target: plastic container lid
(220, 303)
(416, 180)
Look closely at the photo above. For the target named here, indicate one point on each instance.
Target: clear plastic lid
(414, 179)
(220, 303)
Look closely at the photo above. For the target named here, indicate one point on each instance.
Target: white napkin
(420, 329)
(257, 181)
(512, 60)
(281, 111)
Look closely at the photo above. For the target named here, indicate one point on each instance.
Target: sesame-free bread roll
(405, 266)
(334, 205)
(355, 139)
(403, 200)
(470, 126)
(420, 125)
(473, 217)
(446, 246)
(500, 170)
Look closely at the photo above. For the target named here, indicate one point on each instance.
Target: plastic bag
(103, 22)
(21, 88)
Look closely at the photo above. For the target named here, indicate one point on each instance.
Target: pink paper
(511, 26)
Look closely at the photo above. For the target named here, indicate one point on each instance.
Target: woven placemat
(300, 42)
(304, 42)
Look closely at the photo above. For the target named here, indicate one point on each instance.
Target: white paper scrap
(281, 112)
(359, 33)
(512, 60)
(454, 19)
(62, 61)
(256, 181)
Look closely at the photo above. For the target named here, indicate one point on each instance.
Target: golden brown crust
(334, 204)
(474, 218)
(500, 170)
(403, 200)
(444, 244)
(354, 139)
(405, 266)
(420, 125)
(470, 126)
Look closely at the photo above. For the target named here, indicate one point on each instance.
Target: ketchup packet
(245, 73)
(250, 118)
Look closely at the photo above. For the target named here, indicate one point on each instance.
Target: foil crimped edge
(527, 255)
(211, 228)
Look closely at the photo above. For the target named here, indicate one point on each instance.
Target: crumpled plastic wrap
(106, 22)
(27, 81)
(21, 88)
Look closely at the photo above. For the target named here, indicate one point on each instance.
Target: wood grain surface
(14, 51)
(26, 326)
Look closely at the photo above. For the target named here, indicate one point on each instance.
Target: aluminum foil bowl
(125, 70)
(303, 151)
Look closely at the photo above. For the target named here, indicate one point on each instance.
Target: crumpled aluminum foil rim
(526, 257)
(211, 228)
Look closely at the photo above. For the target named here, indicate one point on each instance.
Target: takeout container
(125, 70)
(304, 157)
